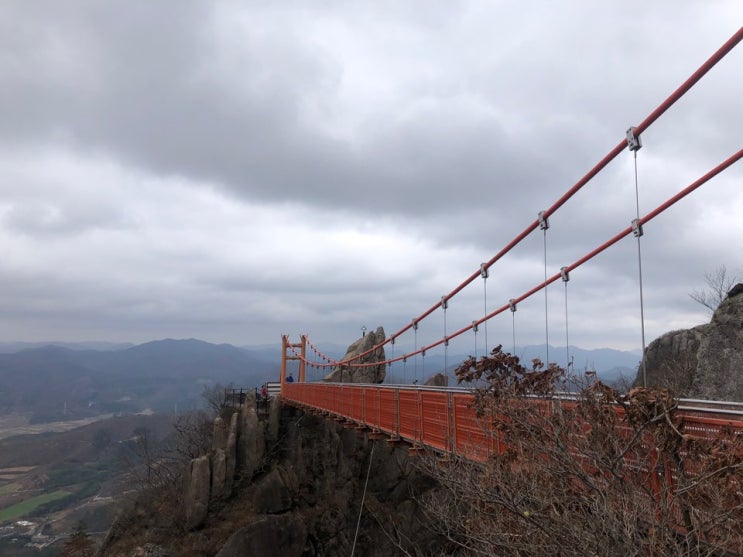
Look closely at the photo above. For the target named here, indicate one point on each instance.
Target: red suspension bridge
(444, 419)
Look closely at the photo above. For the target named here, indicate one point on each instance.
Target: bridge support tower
(288, 353)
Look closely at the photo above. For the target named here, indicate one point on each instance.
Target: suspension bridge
(444, 420)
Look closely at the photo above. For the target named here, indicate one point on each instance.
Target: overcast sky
(232, 171)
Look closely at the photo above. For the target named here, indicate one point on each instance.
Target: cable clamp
(446, 341)
(474, 326)
(423, 352)
(564, 274)
(512, 305)
(637, 228)
(415, 324)
(634, 142)
(544, 222)
(484, 271)
(444, 303)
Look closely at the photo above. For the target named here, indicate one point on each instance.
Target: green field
(27, 506)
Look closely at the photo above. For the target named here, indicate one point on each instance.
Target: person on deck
(290, 379)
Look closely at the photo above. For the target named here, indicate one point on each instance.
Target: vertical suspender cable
(546, 310)
(392, 349)
(484, 273)
(445, 305)
(512, 305)
(635, 144)
(474, 328)
(565, 278)
(415, 349)
(544, 225)
(639, 273)
(363, 497)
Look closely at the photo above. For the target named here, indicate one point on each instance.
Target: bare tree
(594, 474)
(719, 284)
(79, 543)
(215, 397)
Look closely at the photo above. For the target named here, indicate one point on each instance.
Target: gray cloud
(220, 169)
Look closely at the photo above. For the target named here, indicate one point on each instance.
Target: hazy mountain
(10, 347)
(54, 382)
(610, 365)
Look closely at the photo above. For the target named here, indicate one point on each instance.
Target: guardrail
(444, 419)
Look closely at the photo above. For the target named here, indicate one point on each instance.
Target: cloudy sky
(232, 171)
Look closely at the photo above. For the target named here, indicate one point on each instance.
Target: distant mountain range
(72, 380)
(55, 382)
(609, 364)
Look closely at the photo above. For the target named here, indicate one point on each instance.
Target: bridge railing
(445, 419)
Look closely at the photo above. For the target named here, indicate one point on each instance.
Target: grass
(27, 506)
(9, 488)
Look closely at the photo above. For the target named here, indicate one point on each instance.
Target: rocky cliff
(703, 362)
(289, 485)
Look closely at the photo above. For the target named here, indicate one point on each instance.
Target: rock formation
(720, 369)
(671, 360)
(297, 491)
(373, 372)
(705, 361)
(197, 492)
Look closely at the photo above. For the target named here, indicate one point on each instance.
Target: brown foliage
(591, 473)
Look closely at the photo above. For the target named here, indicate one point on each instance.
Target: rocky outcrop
(272, 535)
(298, 487)
(437, 380)
(703, 362)
(720, 369)
(671, 360)
(211, 476)
(371, 371)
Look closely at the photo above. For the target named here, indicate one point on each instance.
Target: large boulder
(372, 371)
(705, 361)
(271, 494)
